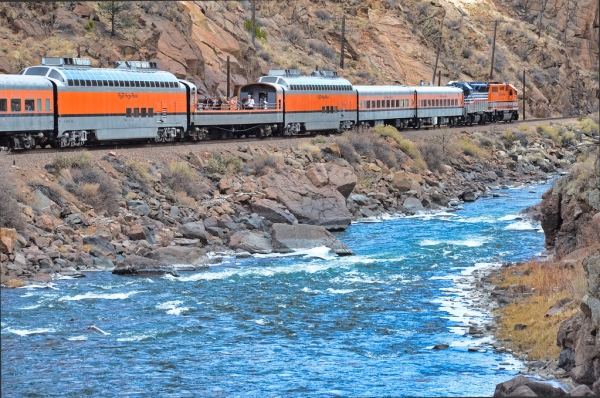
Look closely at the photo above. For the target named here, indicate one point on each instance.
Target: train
(65, 102)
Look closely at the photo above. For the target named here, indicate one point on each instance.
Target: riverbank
(128, 208)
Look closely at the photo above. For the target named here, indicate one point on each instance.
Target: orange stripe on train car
(91, 103)
(315, 102)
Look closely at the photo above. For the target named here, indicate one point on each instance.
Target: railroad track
(410, 133)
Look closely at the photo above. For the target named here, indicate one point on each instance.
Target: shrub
(79, 161)
(548, 132)
(347, 150)
(181, 178)
(319, 140)
(260, 165)
(138, 171)
(384, 153)
(432, 155)
(10, 213)
(324, 49)
(96, 188)
(589, 126)
(508, 137)
(224, 164)
(466, 52)
(406, 146)
(362, 144)
(323, 15)
(295, 36)
(468, 147)
(260, 33)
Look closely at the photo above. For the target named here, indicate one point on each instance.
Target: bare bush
(347, 150)
(384, 153)
(260, 165)
(10, 213)
(363, 144)
(433, 155)
(181, 178)
(96, 188)
(295, 36)
(324, 49)
(323, 15)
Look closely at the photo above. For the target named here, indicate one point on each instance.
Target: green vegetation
(225, 164)
(79, 161)
(468, 147)
(259, 33)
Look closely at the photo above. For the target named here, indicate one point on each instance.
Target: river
(311, 324)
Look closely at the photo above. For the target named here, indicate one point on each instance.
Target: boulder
(136, 265)
(324, 206)
(45, 222)
(272, 211)
(522, 386)
(138, 207)
(177, 255)
(582, 391)
(99, 242)
(8, 238)
(344, 179)
(194, 230)
(252, 242)
(289, 238)
(412, 205)
(136, 232)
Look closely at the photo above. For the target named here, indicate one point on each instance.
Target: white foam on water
(321, 252)
(309, 290)
(90, 295)
(48, 285)
(172, 307)
(25, 332)
(510, 217)
(77, 338)
(477, 220)
(259, 321)
(31, 307)
(339, 291)
(523, 226)
(139, 337)
(469, 242)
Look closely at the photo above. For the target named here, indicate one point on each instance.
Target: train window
(368, 103)
(94, 83)
(39, 104)
(136, 112)
(128, 112)
(388, 104)
(111, 83)
(143, 112)
(378, 103)
(322, 109)
(397, 103)
(152, 84)
(15, 105)
(105, 83)
(3, 103)
(81, 82)
(335, 109)
(437, 102)
(372, 104)
(137, 83)
(88, 82)
(70, 82)
(47, 105)
(121, 83)
(150, 112)
(162, 84)
(55, 75)
(428, 102)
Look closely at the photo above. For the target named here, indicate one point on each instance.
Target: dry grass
(14, 283)
(183, 179)
(468, 147)
(260, 165)
(551, 281)
(96, 188)
(78, 161)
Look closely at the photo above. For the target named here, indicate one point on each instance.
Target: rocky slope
(387, 42)
(101, 209)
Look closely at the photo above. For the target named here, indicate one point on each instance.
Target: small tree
(116, 11)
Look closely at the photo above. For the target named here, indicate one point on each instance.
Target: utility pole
(253, 22)
(437, 56)
(524, 93)
(343, 38)
(439, 77)
(228, 77)
(493, 51)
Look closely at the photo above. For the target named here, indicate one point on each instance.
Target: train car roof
(20, 82)
(383, 89)
(288, 80)
(437, 90)
(72, 73)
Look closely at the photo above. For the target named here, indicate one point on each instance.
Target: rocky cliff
(386, 42)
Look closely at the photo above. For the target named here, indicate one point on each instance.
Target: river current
(311, 324)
